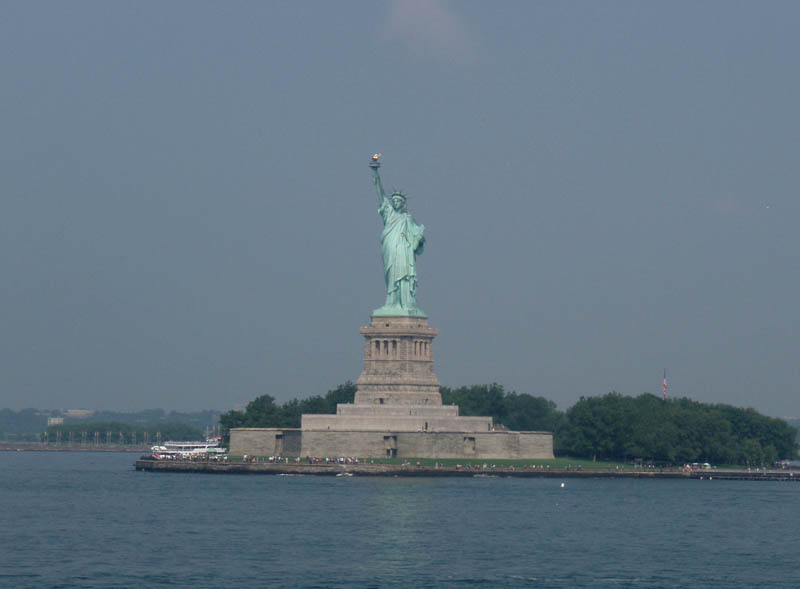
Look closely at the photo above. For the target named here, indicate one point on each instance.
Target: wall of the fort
(365, 444)
(258, 441)
(481, 445)
(344, 443)
(404, 423)
(461, 444)
(292, 443)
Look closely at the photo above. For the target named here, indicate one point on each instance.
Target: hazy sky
(608, 189)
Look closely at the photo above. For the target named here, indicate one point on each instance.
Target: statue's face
(398, 203)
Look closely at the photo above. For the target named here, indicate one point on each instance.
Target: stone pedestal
(398, 390)
(398, 410)
(398, 363)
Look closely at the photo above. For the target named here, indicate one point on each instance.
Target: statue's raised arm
(376, 177)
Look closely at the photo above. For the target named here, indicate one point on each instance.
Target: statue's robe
(401, 241)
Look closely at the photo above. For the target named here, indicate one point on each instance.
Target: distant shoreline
(40, 447)
(392, 470)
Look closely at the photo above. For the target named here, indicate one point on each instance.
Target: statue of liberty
(401, 241)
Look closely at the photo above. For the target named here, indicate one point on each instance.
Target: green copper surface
(402, 240)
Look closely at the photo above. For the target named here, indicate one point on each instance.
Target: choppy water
(90, 520)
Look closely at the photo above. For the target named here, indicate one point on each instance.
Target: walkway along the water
(291, 468)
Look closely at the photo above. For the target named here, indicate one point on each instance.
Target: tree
(611, 426)
(678, 430)
(264, 412)
(528, 413)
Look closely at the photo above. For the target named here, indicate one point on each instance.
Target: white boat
(188, 449)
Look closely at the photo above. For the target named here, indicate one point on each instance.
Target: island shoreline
(395, 470)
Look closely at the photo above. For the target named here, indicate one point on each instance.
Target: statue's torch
(375, 163)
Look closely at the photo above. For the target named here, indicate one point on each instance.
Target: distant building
(79, 413)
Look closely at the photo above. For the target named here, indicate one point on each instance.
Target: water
(90, 520)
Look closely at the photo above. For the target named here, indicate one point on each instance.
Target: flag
(664, 385)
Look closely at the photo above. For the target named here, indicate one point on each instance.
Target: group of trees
(264, 412)
(617, 427)
(115, 432)
(24, 425)
(795, 423)
(516, 411)
(30, 425)
(612, 426)
(150, 418)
